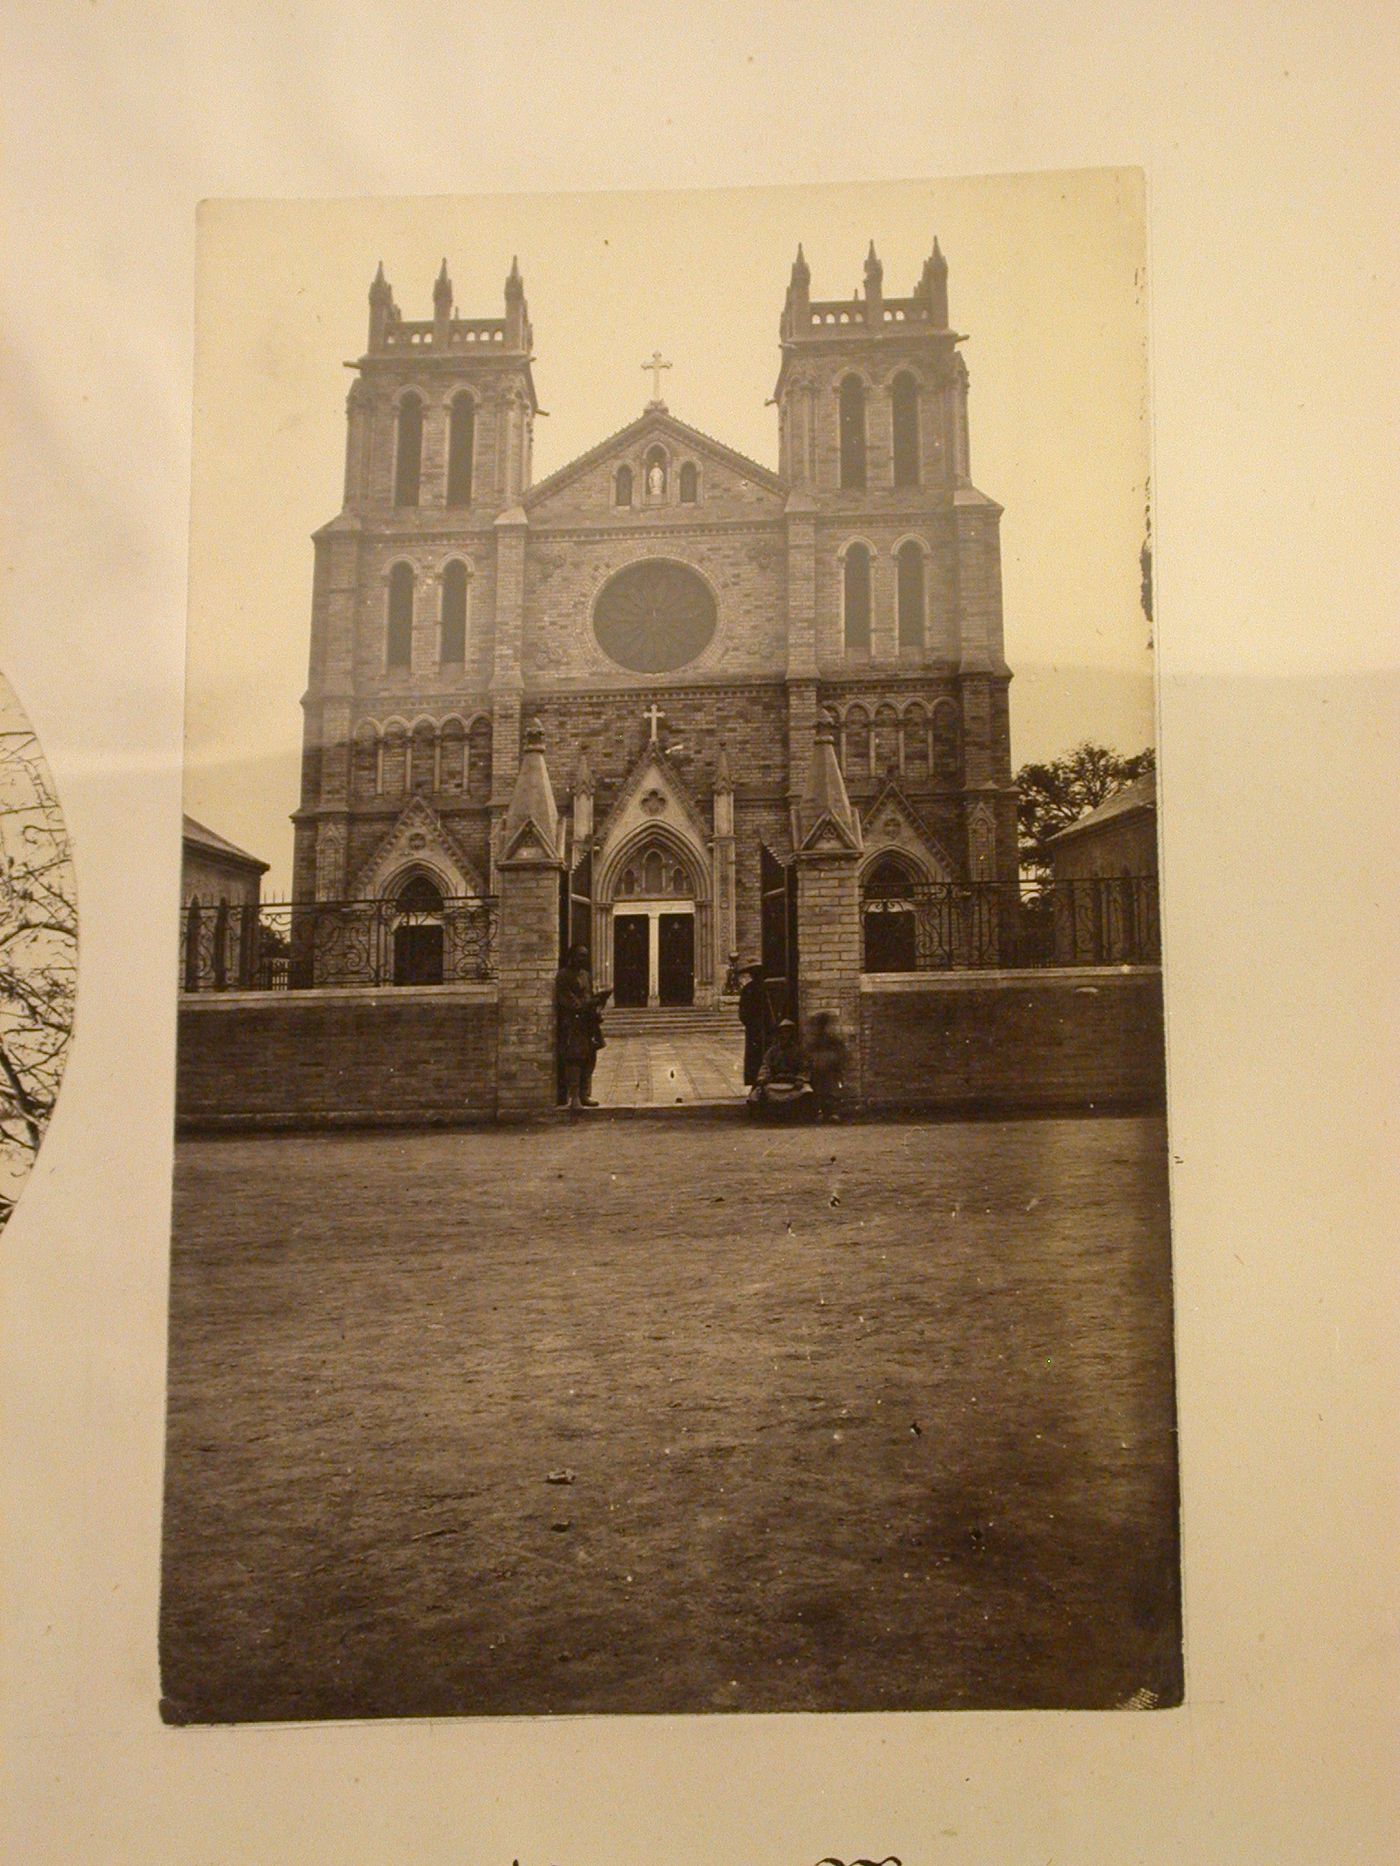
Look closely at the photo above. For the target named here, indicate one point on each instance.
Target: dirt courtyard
(878, 1417)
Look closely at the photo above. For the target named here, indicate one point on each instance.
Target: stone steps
(674, 1021)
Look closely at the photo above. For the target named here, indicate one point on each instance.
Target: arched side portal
(653, 919)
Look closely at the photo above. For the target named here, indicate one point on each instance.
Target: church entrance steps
(672, 1020)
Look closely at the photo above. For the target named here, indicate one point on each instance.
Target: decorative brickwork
(433, 708)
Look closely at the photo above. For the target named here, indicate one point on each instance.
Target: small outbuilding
(220, 894)
(1104, 893)
(1116, 837)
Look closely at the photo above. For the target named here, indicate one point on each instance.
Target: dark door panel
(631, 959)
(676, 959)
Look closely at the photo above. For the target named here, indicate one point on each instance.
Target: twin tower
(467, 439)
(678, 616)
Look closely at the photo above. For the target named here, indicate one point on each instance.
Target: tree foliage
(38, 953)
(1054, 795)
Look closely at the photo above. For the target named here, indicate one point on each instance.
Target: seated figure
(783, 1086)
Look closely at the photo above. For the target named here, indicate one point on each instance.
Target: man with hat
(756, 1015)
(783, 1085)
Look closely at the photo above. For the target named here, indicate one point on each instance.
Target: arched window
(479, 760)
(423, 757)
(884, 743)
(395, 761)
(909, 564)
(366, 760)
(452, 766)
(408, 455)
(622, 486)
(857, 739)
(689, 483)
(916, 750)
(905, 408)
(853, 434)
(454, 612)
(947, 750)
(855, 580)
(399, 649)
(418, 937)
(419, 896)
(461, 440)
(653, 878)
(654, 473)
(887, 910)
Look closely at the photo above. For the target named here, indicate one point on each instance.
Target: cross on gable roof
(655, 422)
(656, 767)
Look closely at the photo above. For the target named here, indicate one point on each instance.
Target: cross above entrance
(655, 715)
(656, 366)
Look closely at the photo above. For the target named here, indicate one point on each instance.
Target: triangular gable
(892, 824)
(419, 839)
(623, 446)
(655, 793)
(829, 832)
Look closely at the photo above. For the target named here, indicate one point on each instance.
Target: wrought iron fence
(949, 925)
(297, 945)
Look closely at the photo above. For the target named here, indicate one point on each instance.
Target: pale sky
(1046, 276)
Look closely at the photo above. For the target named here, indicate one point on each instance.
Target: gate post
(528, 869)
(828, 900)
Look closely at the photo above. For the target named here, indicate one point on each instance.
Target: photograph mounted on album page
(670, 1206)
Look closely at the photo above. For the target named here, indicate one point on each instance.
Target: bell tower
(894, 556)
(872, 395)
(442, 414)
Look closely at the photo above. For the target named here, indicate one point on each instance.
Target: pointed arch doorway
(654, 916)
(654, 931)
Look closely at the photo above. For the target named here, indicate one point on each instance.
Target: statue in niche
(656, 479)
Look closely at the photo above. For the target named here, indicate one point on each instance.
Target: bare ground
(873, 1418)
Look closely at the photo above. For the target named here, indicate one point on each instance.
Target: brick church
(678, 618)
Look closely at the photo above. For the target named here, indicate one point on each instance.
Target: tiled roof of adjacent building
(1138, 794)
(216, 844)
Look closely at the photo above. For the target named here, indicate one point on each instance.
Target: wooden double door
(653, 958)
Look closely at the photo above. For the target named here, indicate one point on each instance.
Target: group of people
(785, 1078)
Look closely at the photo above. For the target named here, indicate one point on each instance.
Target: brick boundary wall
(406, 1055)
(988, 1042)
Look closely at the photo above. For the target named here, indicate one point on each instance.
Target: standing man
(577, 1008)
(756, 1015)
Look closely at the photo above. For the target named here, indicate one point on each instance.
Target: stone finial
(531, 825)
(442, 290)
(723, 781)
(934, 285)
(797, 306)
(381, 308)
(825, 810)
(874, 287)
(517, 316)
(583, 775)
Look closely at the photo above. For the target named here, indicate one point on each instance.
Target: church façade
(678, 617)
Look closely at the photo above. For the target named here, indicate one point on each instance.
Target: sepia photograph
(670, 1203)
